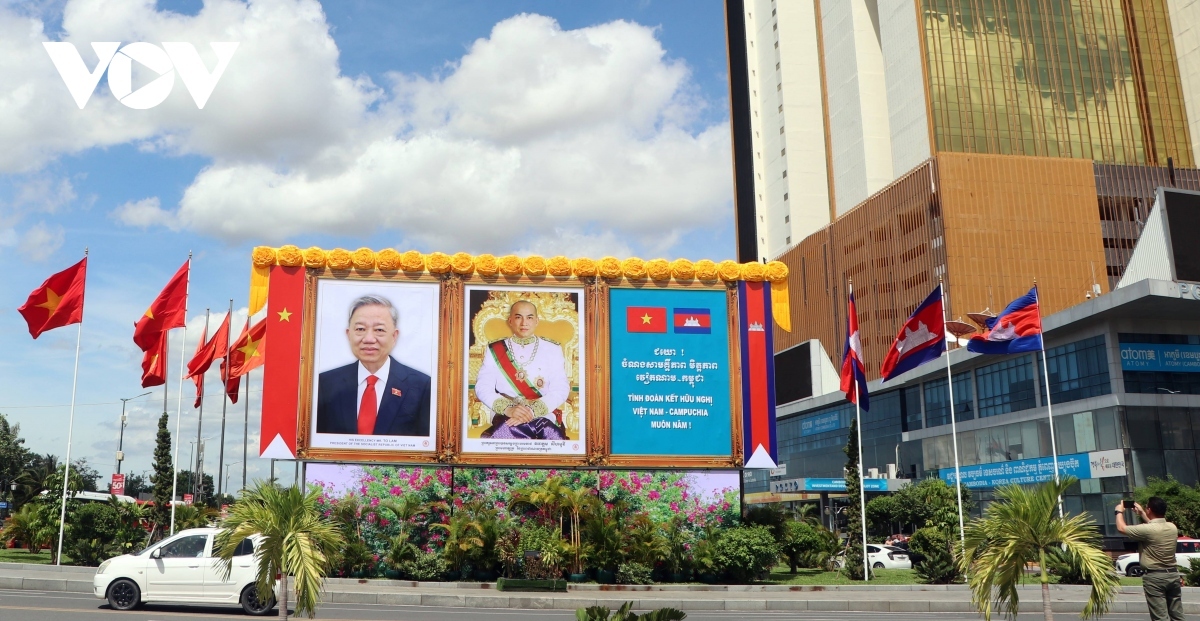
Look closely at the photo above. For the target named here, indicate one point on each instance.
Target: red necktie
(368, 408)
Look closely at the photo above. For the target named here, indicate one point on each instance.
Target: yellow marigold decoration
(314, 257)
(462, 263)
(290, 256)
(486, 265)
(658, 269)
(439, 263)
(263, 256)
(729, 270)
(609, 267)
(510, 265)
(634, 268)
(412, 261)
(534, 265)
(753, 271)
(363, 259)
(777, 271)
(682, 269)
(583, 267)
(339, 259)
(388, 260)
(558, 266)
(706, 270)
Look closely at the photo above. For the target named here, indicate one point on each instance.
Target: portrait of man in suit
(375, 395)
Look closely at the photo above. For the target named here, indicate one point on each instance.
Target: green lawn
(21, 555)
(816, 577)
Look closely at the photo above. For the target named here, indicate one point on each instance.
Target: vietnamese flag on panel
(646, 319)
(58, 302)
(281, 374)
(165, 312)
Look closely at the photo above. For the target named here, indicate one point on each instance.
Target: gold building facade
(1088, 79)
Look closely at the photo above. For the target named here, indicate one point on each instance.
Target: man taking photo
(1156, 539)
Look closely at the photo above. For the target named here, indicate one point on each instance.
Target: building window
(1161, 382)
(785, 195)
(781, 130)
(937, 400)
(787, 218)
(1005, 386)
(772, 12)
(780, 108)
(776, 45)
(777, 66)
(788, 240)
(783, 151)
(1078, 370)
(785, 174)
(779, 86)
(775, 26)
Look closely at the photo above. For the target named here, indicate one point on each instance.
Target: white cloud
(145, 213)
(40, 241)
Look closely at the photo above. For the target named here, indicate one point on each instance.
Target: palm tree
(546, 498)
(1023, 525)
(30, 527)
(577, 502)
(296, 538)
(808, 512)
(463, 534)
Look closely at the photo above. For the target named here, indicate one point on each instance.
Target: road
(45, 606)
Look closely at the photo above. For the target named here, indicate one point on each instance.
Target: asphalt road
(45, 606)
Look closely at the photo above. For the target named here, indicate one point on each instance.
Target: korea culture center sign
(508, 361)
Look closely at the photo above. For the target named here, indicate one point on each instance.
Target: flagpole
(224, 403)
(198, 487)
(187, 291)
(62, 514)
(862, 492)
(246, 421)
(962, 536)
(1046, 381)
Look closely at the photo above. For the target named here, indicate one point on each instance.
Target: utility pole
(121, 437)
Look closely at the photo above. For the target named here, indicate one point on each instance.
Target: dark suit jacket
(406, 415)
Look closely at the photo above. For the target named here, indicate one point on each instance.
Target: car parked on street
(1186, 549)
(882, 557)
(182, 569)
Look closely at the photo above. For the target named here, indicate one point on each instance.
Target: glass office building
(1108, 390)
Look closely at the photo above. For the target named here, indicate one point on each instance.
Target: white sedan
(181, 569)
(1186, 549)
(883, 557)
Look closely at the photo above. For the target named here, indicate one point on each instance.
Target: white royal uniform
(545, 368)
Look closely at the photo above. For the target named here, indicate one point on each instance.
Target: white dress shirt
(380, 385)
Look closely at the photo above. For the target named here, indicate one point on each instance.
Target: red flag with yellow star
(58, 302)
(154, 365)
(247, 353)
(165, 312)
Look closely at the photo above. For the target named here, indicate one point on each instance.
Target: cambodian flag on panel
(921, 340)
(758, 374)
(853, 371)
(1017, 329)
(693, 321)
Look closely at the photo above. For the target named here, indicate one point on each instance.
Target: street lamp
(121, 439)
(227, 473)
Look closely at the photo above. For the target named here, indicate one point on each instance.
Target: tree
(14, 457)
(295, 539)
(1183, 502)
(163, 477)
(1023, 525)
(187, 485)
(136, 484)
(463, 534)
(89, 478)
(853, 564)
(35, 478)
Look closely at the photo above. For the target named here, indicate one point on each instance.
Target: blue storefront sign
(1169, 358)
(839, 485)
(831, 421)
(669, 373)
(1093, 465)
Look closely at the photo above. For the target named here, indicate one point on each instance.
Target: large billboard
(527, 362)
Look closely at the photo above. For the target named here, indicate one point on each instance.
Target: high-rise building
(985, 142)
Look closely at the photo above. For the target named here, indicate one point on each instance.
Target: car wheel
(878, 565)
(124, 594)
(1135, 571)
(253, 605)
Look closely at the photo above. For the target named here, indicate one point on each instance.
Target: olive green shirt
(1156, 543)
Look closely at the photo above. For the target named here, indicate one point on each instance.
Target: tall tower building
(985, 142)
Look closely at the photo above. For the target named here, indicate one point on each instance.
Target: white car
(883, 557)
(1186, 549)
(181, 569)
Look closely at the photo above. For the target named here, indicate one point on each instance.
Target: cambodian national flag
(921, 340)
(693, 321)
(1017, 329)
(854, 373)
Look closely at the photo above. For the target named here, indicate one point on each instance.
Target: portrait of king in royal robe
(524, 353)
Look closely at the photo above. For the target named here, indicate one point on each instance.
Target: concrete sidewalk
(859, 598)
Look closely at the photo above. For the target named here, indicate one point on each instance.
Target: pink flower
(675, 507)
(654, 494)
(375, 502)
(396, 491)
(363, 490)
(523, 475)
(553, 472)
(375, 557)
(444, 477)
(608, 505)
(458, 503)
(685, 496)
(384, 522)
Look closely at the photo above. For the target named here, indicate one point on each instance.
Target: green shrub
(935, 549)
(600, 613)
(1192, 573)
(634, 573)
(426, 567)
(808, 545)
(93, 535)
(743, 553)
(1066, 567)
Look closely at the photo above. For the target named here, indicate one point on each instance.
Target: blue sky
(585, 128)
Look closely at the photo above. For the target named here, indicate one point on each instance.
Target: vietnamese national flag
(154, 365)
(208, 352)
(198, 378)
(166, 311)
(247, 354)
(58, 302)
(646, 319)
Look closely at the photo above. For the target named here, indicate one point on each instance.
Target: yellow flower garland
(753, 271)
(609, 267)
(486, 265)
(263, 256)
(363, 259)
(777, 271)
(583, 267)
(439, 263)
(634, 268)
(682, 269)
(658, 269)
(510, 265)
(462, 263)
(339, 259)
(412, 261)
(314, 258)
(388, 260)
(535, 265)
(706, 270)
(558, 266)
